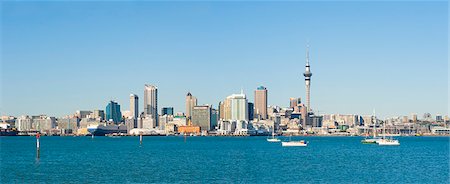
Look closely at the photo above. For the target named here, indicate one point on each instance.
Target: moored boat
(295, 143)
(273, 138)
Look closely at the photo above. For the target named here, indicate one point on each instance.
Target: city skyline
(66, 75)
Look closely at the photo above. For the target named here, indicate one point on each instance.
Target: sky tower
(307, 75)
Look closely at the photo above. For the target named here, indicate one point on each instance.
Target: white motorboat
(273, 140)
(295, 143)
(388, 142)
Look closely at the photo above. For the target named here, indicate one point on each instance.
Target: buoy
(38, 149)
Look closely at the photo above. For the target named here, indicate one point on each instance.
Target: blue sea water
(222, 160)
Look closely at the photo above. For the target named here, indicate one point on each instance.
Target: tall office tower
(191, 101)
(134, 108)
(261, 102)
(151, 102)
(221, 111)
(236, 107)
(251, 111)
(294, 103)
(113, 112)
(307, 75)
(205, 117)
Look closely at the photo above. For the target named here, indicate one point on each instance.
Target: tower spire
(307, 54)
(307, 75)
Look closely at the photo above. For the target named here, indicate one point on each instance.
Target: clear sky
(59, 57)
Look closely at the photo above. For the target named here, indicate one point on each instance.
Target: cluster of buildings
(235, 115)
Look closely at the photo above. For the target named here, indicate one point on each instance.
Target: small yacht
(374, 139)
(387, 141)
(273, 138)
(294, 143)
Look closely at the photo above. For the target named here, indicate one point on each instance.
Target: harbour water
(222, 160)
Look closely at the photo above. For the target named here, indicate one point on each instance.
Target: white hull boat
(295, 143)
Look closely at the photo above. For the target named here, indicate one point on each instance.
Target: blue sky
(59, 57)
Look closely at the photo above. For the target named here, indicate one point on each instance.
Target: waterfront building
(251, 111)
(205, 117)
(405, 119)
(316, 121)
(261, 102)
(151, 102)
(85, 122)
(188, 129)
(82, 114)
(113, 112)
(191, 102)
(68, 125)
(439, 118)
(345, 119)
(179, 120)
(148, 122)
(414, 118)
(130, 123)
(236, 107)
(308, 75)
(427, 116)
(98, 114)
(43, 123)
(134, 108)
(24, 123)
(167, 111)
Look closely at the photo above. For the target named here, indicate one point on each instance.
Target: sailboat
(374, 139)
(273, 139)
(387, 141)
(302, 143)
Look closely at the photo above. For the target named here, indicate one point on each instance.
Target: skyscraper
(251, 111)
(236, 107)
(261, 102)
(113, 112)
(205, 117)
(191, 102)
(134, 108)
(307, 75)
(151, 102)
